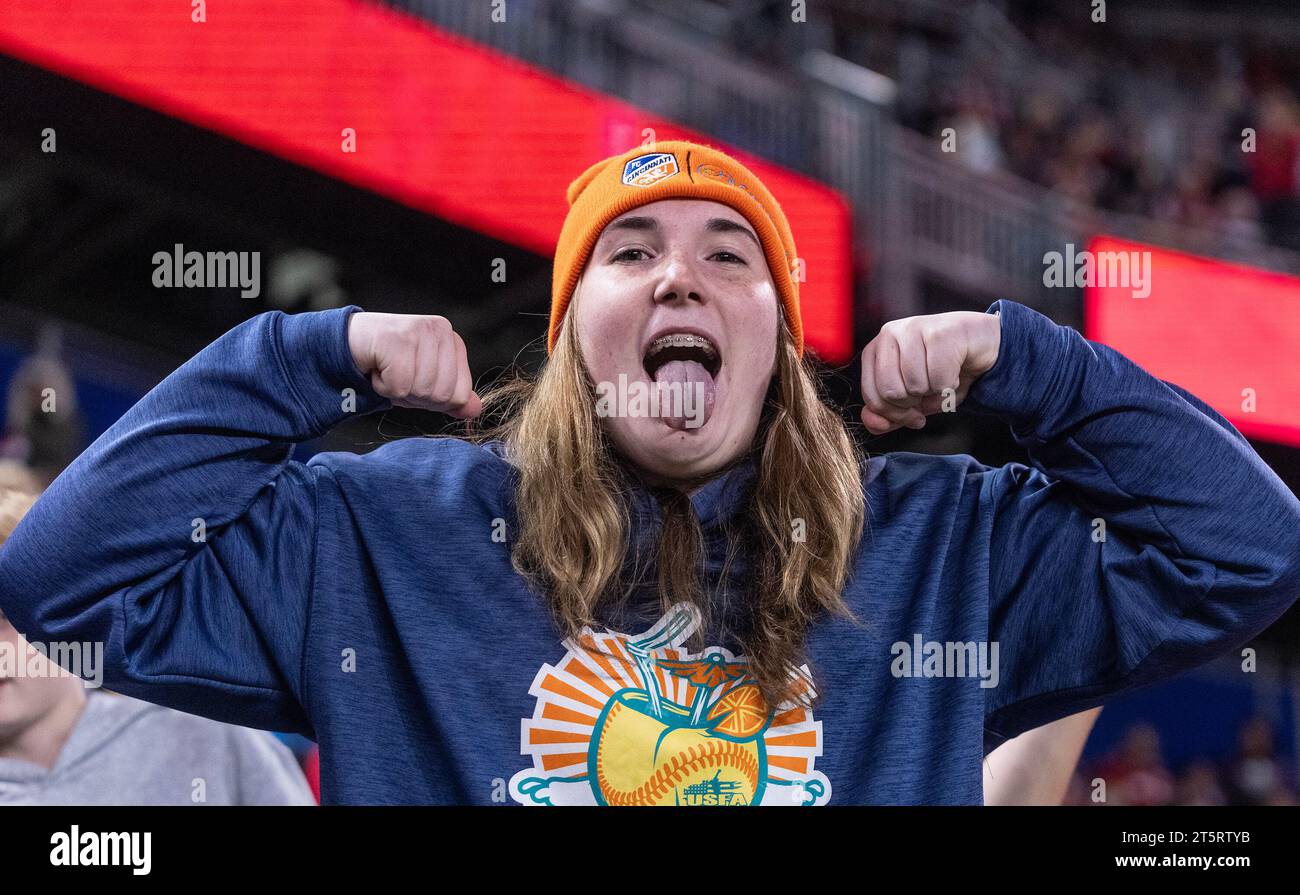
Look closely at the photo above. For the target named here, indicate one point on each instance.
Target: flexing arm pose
(625, 608)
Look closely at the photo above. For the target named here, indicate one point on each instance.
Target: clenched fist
(909, 365)
(414, 361)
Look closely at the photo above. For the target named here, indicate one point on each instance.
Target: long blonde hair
(574, 538)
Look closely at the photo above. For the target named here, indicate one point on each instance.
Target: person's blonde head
(14, 476)
(14, 505)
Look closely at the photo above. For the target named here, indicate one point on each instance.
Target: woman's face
(677, 299)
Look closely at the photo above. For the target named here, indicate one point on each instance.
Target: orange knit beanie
(670, 170)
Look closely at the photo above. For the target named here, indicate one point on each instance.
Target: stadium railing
(920, 218)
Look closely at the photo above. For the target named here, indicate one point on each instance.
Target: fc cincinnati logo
(647, 170)
(640, 721)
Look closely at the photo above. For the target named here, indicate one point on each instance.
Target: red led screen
(442, 125)
(1229, 334)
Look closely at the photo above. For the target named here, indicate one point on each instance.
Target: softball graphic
(642, 760)
(641, 720)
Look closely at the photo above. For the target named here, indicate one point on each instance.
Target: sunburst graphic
(624, 719)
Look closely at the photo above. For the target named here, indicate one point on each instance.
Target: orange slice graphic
(742, 712)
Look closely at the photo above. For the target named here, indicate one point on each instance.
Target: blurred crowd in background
(1122, 149)
(1142, 125)
(1136, 773)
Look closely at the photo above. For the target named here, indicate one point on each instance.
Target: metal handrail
(920, 216)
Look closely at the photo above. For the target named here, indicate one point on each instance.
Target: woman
(719, 604)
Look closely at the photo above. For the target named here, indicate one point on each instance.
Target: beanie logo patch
(647, 170)
(719, 174)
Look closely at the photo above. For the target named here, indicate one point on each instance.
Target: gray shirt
(126, 752)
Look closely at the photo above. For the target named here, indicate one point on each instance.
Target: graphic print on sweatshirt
(639, 720)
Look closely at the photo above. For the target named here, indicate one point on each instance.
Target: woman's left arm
(1146, 538)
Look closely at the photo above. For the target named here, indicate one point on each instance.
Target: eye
(728, 257)
(630, 255)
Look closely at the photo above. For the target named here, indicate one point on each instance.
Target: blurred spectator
(1275, 166)
(1139, 126)
(1136, 774)
(43, 424)
(1239, 216)
(1256, 776)
(64, 744)
(14, 476)
(977, 134)
(1199, 785)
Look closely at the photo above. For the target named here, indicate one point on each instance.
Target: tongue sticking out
(689, 403)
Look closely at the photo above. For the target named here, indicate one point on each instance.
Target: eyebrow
(713, 225)
(635, 223)
(723, 225)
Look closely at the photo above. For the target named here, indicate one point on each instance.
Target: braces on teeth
(682, 340)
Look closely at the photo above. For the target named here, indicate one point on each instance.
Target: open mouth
(692, 362)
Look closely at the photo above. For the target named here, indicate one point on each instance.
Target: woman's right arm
(183, 540)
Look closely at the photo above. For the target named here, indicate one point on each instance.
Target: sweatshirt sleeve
(266, 772)
(183, 539)
(1146, 537)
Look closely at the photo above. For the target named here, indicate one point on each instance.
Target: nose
(678, 283)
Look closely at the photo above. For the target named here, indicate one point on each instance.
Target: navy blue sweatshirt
(370, 602)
